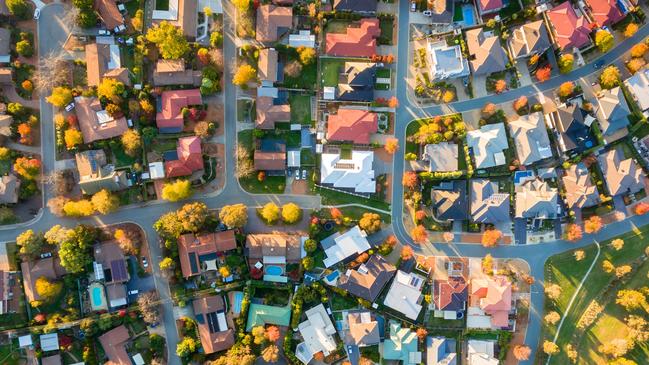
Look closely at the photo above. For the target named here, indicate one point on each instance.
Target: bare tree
(60, 181)
(52, 71)
(245, 168)
(150, 307)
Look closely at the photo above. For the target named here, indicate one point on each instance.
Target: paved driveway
(142, 284)
(479, 85)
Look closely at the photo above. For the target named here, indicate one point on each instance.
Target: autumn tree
(391, 145)
(573, 232)
(566, 61)
(186, 347)
(270, 353)
(177, 190)
(520, 103)
(149, 304)
(639, 50)
(393, 102)
(245, 167)
(641, 208)
(30, 243)
(270, 213)
(500, 86)
(488, 110)
(291, 213)
(631, 299)
(616, 348)
(78, 208)
(308, 263)
(168, 226)
(307, 55)
(72, 138)
(593, 225)
(622, 361)
(104, 202)
(169, 39)
(111, 89)
(566, 89)
(610, 77)
(132, 142)
(552, 317)
(630, 30)
(370, 222)
(550, 348)
(272, 334)
(410, 179)
(522, 352)
(27, 168)
(638, 328)
(48, 290)
(622, 271)
(617, 244)
(19, 8)
(60, 97)
(579, 255)
(553, 291)
(635, 64)
(202, 129)
(604, 40)
(167, 264)
(491, 237)
(224, 271)
(421, 333)
(407, 253)
(126, 241)
(244, 74)
(487, 264)
(192, 216)
(234, 216)
(608, 266)
(543, 74)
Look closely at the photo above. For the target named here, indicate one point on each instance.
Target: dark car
(599, 64)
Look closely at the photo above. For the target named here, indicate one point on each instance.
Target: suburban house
(341, 246)
(109, 14)
(441, 11)
(358, 41)
(49, 268)
(6, 121)
(270, 156)
(490, 302)
(212, 324)
(95, 123)
(354, 173)
(368, 280)
(271, 110)
(486, 56)
(604, 12)
(580, 190)
(103, 61)
(5, 45)
(638, 86)
(262, 315)
(9, 187)
(352, 125)
(535, 199)
(114, 344)
(449, 201)
(110, 267)
(612, 114)
(450, 289)
(363, 329)
(446, 62)
(440, 351)
(441, 157)
(356, 6)
(567, 30)
(273, 22)
(486, 7)
(187, 158)
(488, 204)
(401, 345)
(530, 138)
(572, 126)
(481, 352)
(169, 117)
(487, 145)
(6, 76)
(359, 79)
(95, 174)
(318, 334)
(198, 253)
(529, 39)
(404, 295)
(622, 176)
(267, 67)
(182, 14)
(173, 72)
(272, 253)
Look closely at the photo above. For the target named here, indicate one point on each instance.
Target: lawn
(162, 4)
(330, 71)
(121, 158)
(332, 197)
(387, 27)
(9, 354)
(163, 145)
(307, 159)
(411, 129)
(300, 108)
(12, 252)
(293, 139)
(339, 302)
(132, 7)
(337, 26)
(355, 213)
(245, 138)
(306, 79)
(270, 185)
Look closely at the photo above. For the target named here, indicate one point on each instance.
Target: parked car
(129, 122)
(37, 13)
(69, 107)
(46, 255)
(145, 263)
(303, 174)
(129, 42)
(103, 32)
(297, 174)
(599, 64)
(119, 28)
(413, 6)
(349, 349)
(133, 292)
(428, 13)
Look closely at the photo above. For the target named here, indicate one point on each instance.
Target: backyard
(300, 108)
(331, 70)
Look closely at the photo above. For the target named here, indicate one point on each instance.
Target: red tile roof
(352, 125)
(270, 21)
(212, 341)
(605, 12)
(270, 161)
(570, 30)
(202, 244)
(109, 13)
(114, 342)
(268, 113)
(445, 290)
(488, 6)
(190, 158)
(173, 101)
(359, 41)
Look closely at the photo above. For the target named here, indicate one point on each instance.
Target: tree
(604, 40)
(393, 102)
(186, 347)
(616, 347)
(622, 271)
(177, 190)
(203, 55)
(111, 89)
(631, 299)
(641, 208)
(630, 30)
(617, 244)
(308, 263)
(270, 353)
(419, 234)
(149, 304)
(192, 216)
(73, 138)
(500, 86)
(132, 142)
(291, 213)
(552, 317)
(566, 89)
(5, 154)
(60, 97)
(491, 237)
(550, 348)
(167, 264)
(566, 61)
(245, 73)
(448, 96)
(520, 103)
(272, 333)
(24, 48)
(488, 110)
(421, 333)
(543, 74)
(639, 50)
(234, 216)
(202, 129)
(169, 226)
(638, 328)
(74, 256)
(579, 255)
(410, 179)
(553, 291)
(170, 40)
(610, 77)
(224, 271)
(573, 232)
(622, 361)
(79, 208)
(370, 222)
(48, 290)
(27, 168)
(105, 202)
(19, 8)
(407, 253)
(487, 264)
(391, 145)
(307, 55)
(635, 64)
(522, 352)
(593, 225)
(310, 245)
(245, 167)
(126, 241)
(608, 266)
(30, 243)
(270, 213)
(241, 5)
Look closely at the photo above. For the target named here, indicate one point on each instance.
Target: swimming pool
(97, 297)
(467, 15)
(238, 298)
(274, 270)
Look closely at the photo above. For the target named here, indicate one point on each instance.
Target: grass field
(300, 108)
(330, 70)
(270, 185)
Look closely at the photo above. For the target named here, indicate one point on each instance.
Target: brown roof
(109, 254)
(580, 190)
(270, 161)
(486, 54)
(9, 185)
(97, 60)
(49, 268)
(173, 72)
(113, 343)
(91, 128)
(267, 65)
(273, 244)
(187, 17)
(6, 75)
(109, 13)
(90, 161)
(363, 333)
(213, 338)
(270, 19)
(52, 360)
(369, 279)
(191, 247)
(268, 113)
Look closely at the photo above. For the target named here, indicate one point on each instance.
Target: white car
(69, 107)
(428, 13)
(413, 6)
(37, 13)
(303, 174)
(103, 32)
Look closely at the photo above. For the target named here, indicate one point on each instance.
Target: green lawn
(411, 129)
(339, 302)
(300, 108)
(270, 185)
(121, 158)
(387, 28)
(293, 139)
(337, 26)
(163, 145)
(244, 108)
(355, 213)
(9, 354)
(307, 158)
(245, 138)
(331, 197)
(306, 79)
(330, 70)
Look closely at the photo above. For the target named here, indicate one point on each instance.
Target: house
(529, 39)
(580, 190)
(7, 282)
(612, 114)
(197, 253)
(530, 138)
(182, 14)
(95, 123)
(95, 174)
(368, 280)
(404, 295)
(271, 110)
(103, 61)
(487, 145)
(446, 62)
(9, 187)
(622, 176)
(488, 205)
(169, 117)
(481, 352)
(486, 56)
(273, 22)
(317, 333)
(262, 315)
(267, 66)
(638, 86)
(441, 157)
(567, 29)
(358, 41)
(114, 344)
(490, 302)
(604, 13)
(572, 124)
(270, 157)
(441, 11)
(363, 329)
(340, 247)
(354, 173)
(5, 45)
(270, 254)
(359, 79)
(6, 121)
(352, 125)
(535, 199)
(187, 159)
(110, 267)
(486, 7)
(49, 341)
(109, 14)
(213, 328)
(450, 290)
(401, 345)
(52, 360)
(356, 6)
(440, 351)
(449, 201)
(173, 72)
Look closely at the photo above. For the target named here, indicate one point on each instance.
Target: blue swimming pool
(467, 15)
(333, 276)
(96, 296)
(236, 306)
(274, 270)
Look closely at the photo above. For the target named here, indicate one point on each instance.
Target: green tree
(291, 213)
(216, 39)
(308, 263)
(604, 40)
(192, 216)
(60, 97)
(370, 222)
(178, 190)
(48, 290)
(234, 216)
(74, 256)
(30, 243)
(105, 202)
(566, 61)
(170, 40)
(186, 347)
(310, 245)
(86, 18)
(269, 213)
(19, 8)
(24, 48)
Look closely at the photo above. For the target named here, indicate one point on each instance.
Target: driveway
(479, 85)
(618, 202)
(140, 283)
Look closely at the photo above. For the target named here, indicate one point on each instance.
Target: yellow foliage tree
(291, 213)
(105, 202)
(245, 73)
(73, 138)
(48, 290)
(132, 142)
(177, 190)
(79, 208)
(60, 97)
(270, 213)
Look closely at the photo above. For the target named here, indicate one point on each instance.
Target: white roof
(476, 318)
(50, 342)
(303, 39)
(25, 341)
(115, 61)
(638, 85)
(531, 138)
(481, 353)
(293, 158)
(355, 173)
(117, 302)
(157, 170)
(215, 5)
(487, 142)
(271, 92)
(138, 359)
(317, 332)
(446, 61)
(329, 93)
(352, 242)
(405, 293)
(170, 14)
(103, 117)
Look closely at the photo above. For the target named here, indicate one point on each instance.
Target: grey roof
(571, 125)
(485, 53)
(441, 156)
(487, 204)
(621, 175)
(638, 86)
(531, 138)
(580, 190)
(612, 111)
(441, 11)
(488, 144)
(450, 204)
(5, 42)
(368, 280)
(528, 39)
(360, 78)
(536, 199)
(363, 329)
(361, 6)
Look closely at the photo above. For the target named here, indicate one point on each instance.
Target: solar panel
(200, 319)
(212, 322)
(192, 263)
(118, 268)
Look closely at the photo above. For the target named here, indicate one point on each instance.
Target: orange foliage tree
(522, 352)
(566, 89)
(28, 168)
(419, 234)
(407, 253)
(25, 132)
(410, 179)
(491, 237)
(420, 215)
(393, 102)
(543, 74)
(335, 213)
(520, 103)
(421, 333)
(391, 145)
(574, 232)
(272, 333)
(641, 208)
(593, 225)
(500, 86)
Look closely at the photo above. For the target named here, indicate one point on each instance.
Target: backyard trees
(391, 145)
(410, 179)
(73, 138)
(132, 142)
(244, 74)
(272, 333)
(192, 216)
(291, 213)
(30, 243)
(170, 40)
(522, 352)
(566, 89)
(269, 213)
(73, 251)
(593, 225)
(488, 264)
(543, 74)
(553, 291)
(639, 50)
(566, 61)
(149, 307)
(111, 89)
(177, 190)
(310, 245)
(630, 30)
(308, 263)
(610, 77)
(24, 47)
(604, 40)
(419, 234)
(60, 97)
(19, 8)
(491, 237)
(224, 271)
(550, 348)
(234, 216)
(370, 222)
(104, 202)
(573, 232)
(186, 347)
(85, 13)
(307, 55)
(270, 353)
(48, 290)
